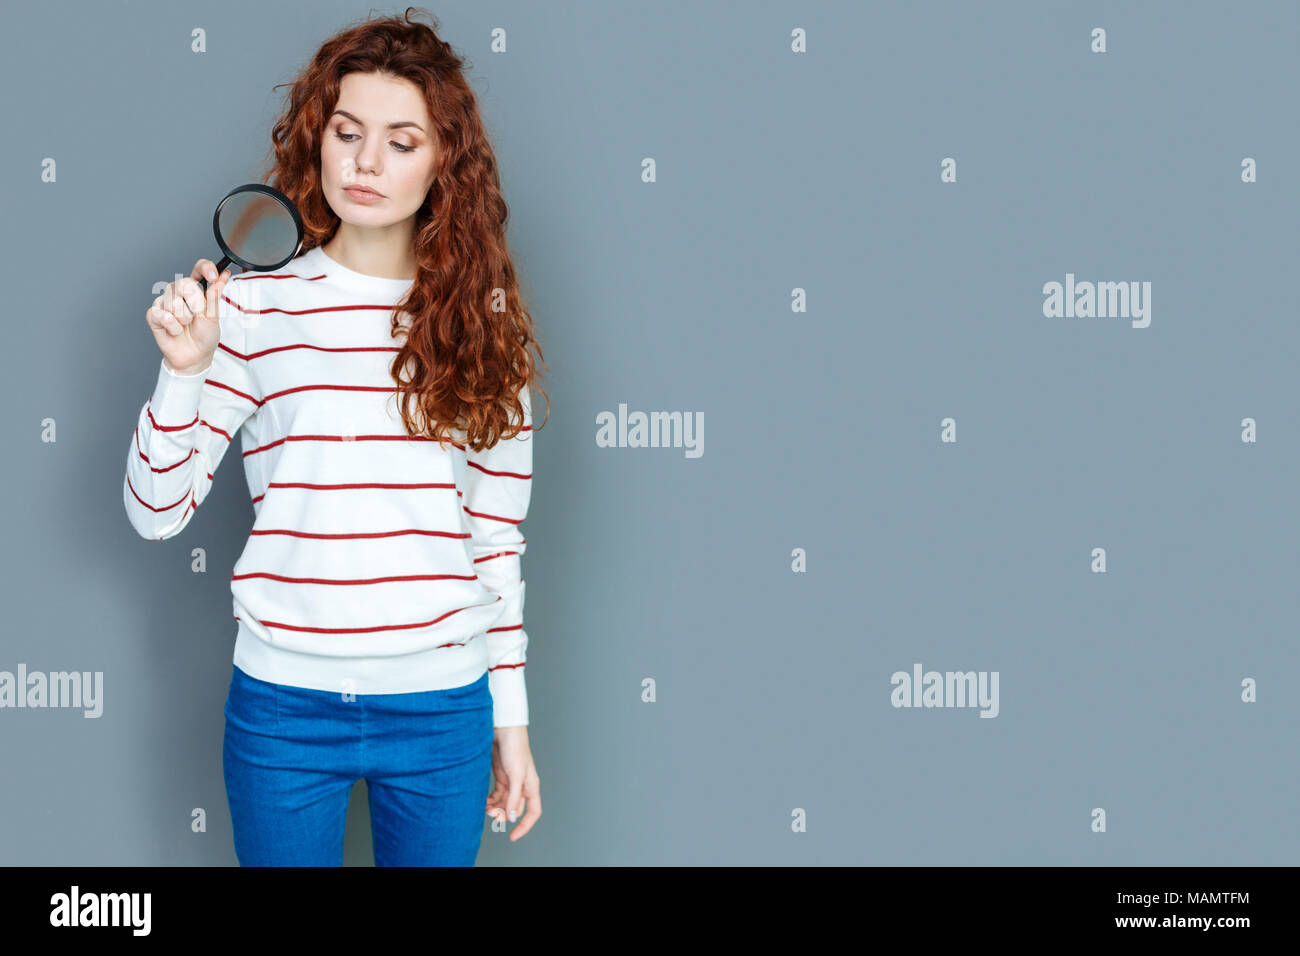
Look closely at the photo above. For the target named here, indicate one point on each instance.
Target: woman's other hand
(516, 784)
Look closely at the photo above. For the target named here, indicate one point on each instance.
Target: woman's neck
(382, 253)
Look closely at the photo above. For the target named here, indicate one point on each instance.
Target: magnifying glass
(258, 228)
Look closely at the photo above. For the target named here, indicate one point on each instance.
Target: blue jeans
(292, 755)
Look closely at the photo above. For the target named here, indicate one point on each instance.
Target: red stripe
(215, 383)
(224, 347)
(512, 627)
(181, 428)
(382, 627)
(339, 388)
(480, 514)
(236, 391)
(263, 495)
(266, 275)
(167, 428)
(146, 457)
(149, 506)
(390, 388)
(396, 577)
(500, 666)
(215, 429)
(327, 308)
(358, 484)
(499, 554)
(362, 534)
(347, 487)
(279, 441)
(319, 348)
(499, 474)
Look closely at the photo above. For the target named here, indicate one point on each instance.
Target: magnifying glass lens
(258, 229)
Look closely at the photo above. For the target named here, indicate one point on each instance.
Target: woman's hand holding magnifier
(185, 322)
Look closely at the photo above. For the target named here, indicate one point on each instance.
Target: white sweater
(377, 563)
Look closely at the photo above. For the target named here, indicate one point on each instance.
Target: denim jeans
(292, 755)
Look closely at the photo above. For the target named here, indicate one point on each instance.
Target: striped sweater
(377, 563)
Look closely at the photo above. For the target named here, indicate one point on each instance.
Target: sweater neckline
(318, 259)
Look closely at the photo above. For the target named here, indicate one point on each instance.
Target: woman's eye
(348, 137)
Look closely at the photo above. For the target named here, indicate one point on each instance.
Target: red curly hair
(467, 361)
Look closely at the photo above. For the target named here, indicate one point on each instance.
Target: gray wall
(775, 171)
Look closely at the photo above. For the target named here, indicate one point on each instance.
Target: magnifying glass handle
(221, 267)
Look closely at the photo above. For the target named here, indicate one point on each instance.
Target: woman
(379, 598)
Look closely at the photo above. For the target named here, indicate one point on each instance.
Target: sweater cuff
(175, 400)
(509, 697)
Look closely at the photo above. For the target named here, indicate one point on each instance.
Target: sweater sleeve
(498, 488)
(185, 428)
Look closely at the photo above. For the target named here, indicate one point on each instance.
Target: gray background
(775, 171)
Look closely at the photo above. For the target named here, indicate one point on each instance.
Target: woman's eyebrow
(390, 125)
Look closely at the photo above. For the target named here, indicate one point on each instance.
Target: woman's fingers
(193, 297)
(533, 799)
(161, 319)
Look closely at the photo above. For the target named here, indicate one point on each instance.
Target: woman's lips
(359, 194)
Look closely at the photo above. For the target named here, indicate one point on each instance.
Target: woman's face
(379, 137)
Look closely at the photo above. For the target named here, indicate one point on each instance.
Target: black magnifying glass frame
(229, 256)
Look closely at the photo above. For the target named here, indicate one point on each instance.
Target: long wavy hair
(466, 352)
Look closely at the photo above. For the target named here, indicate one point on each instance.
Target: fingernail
(513, 814)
